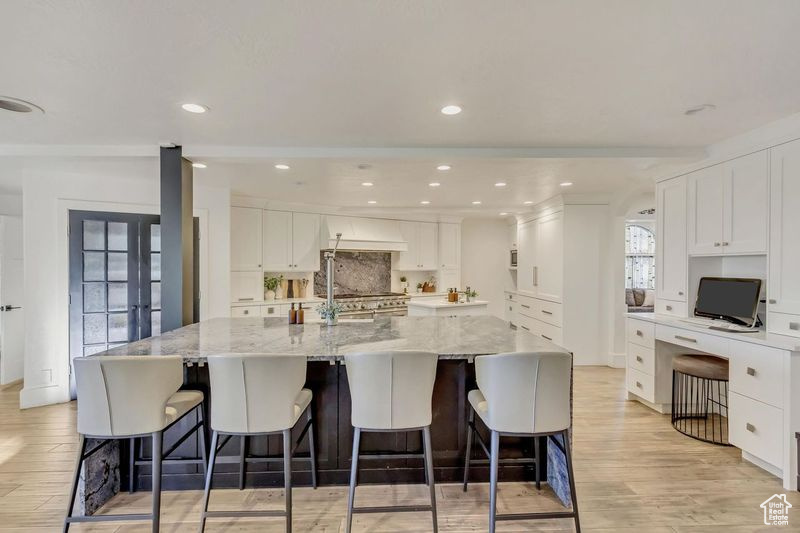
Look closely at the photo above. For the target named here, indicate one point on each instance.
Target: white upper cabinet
(449, 245)
(526, 256)
(245, 239)
(671, 258)
(783, 290)
(728, 207)
(305, 242)
(423, 246)
(549, 257)
(291, 241)
(513, 237)
(277, 241)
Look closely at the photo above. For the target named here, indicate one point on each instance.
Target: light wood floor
(634, 474)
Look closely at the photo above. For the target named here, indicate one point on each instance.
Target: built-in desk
(764, 383)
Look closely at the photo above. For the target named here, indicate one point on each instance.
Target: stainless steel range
(372, 305)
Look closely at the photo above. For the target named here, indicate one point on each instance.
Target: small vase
(332, 321)
(269, 296)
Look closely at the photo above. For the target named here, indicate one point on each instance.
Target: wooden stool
(700, 397)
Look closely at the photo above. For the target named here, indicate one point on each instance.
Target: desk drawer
(757, 372)
(641, 384)
(691, 339)
(783, 324)
(756, 428)
(642, 359)
(245, 311)
(667, 307)
(642, 333)
(549, 312)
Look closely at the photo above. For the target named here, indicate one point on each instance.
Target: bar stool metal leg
(470, 423)
(75, 480)
(132, 465)
(537, 449)
(242, 460)
(351, 498)
(312, 447)
(571, 473)
(209, 476)
(287, 476)
(426, 437)
(494, 460)
(157, 451)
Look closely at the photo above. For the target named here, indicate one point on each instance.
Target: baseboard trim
(11, 384)
(616, 360)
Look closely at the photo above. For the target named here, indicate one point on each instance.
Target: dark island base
(334, 436)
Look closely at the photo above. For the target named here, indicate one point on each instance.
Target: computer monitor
(731, 299)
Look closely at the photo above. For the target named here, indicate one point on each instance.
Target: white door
(305, 242)
(549, 264)
(449, 245)
(706, 211)
(525, 257)
(671, 259)
(409, 260)
(428, 246)
(12, 318)
(245, 239)
(746, 204)
(277, 241)
(784, 251)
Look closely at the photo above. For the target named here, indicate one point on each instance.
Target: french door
(114, 280)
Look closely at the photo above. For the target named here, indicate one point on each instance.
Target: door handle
(687, 339)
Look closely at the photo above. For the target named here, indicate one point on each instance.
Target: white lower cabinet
(243, 311)
(273, 310)
(756, 428)
(642, 385)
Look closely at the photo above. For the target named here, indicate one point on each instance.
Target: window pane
(155, 267)
(155, 295)
(155, 237)
(94, 235)
(117, 296)
(94, 329)
(94, 297)
(117, 266)
(118, 236)
(91, 350)
(94, 266)
(118, 327)
(155, 323)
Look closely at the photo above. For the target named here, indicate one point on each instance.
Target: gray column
(177, 240)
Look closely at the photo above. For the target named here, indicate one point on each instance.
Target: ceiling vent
(16, 105)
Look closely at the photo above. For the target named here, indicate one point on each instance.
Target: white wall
(484, 260)
(50, 189)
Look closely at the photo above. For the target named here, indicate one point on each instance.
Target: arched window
(640, 263)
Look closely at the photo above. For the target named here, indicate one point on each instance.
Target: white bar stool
(122, 397)
(391, 392)
(522, 395)
(259, 394)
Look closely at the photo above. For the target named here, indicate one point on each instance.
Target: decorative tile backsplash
(356, 272)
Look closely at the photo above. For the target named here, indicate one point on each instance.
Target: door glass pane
(117, 266)
(155, 237)
(155, 295)
(155, 267)
(94, 266)
(155, 321)
(94, 329)
(94, 297)
(118, 327)
(94, 235)
(117, 296)
(118, 236)
(91, 350)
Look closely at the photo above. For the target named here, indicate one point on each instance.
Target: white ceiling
(294, 76)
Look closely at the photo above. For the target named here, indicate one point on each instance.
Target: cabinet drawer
(641, 359)
(245, 311)
(549, 332)
(756, 428)
(668, 307)
(526, 306)
(641, 384)
(757, 372)
(783, 324)
(272, 311)
(695, 341)
(642, 333)
(549, 312)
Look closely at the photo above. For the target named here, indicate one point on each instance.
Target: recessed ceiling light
(700, 108)
(199, 165)
(281, 166)
(194, 108)
(476, 202)
(566, 184)
(500, 184)
(367, 184)
(528, 202)
(451, 109)
(372, 201)
(15, 105)
(443, 167)
(503, 214)
(434, 184)
(425, 202)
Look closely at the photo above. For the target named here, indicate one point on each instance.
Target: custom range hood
(363, 234)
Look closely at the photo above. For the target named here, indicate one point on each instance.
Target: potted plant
(330, 313)
(419, 287)
(404, 284)
(271, 283)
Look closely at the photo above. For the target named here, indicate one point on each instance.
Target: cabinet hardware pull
(750, 427)
(509, 308)
(536, 276)
(270, 310)
(794, 326)
(546, 312)
(639, 333)
(246, 299)
(717, 244)
(546, 337)
(773, 301)
(687, 339)
(246, 312)
(669, 308)
(638, 384)
(526, 329)
(725, 243)
(525, 306)
(639, 359)
(751, 371)
(259, 266)
(680, 293)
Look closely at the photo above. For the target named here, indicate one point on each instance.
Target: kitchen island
(457, 340)
(430, 307)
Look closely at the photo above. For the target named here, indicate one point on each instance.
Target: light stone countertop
(282, 301)
(450, 337)
(441, 304)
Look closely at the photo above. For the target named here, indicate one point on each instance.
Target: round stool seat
(701, 366)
